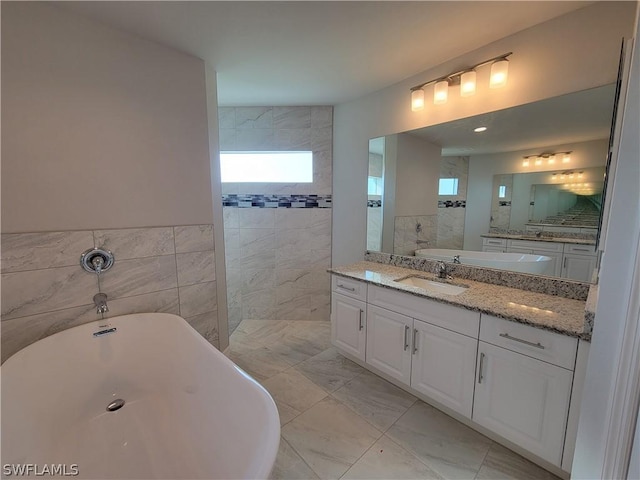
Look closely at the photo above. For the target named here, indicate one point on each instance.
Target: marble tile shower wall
(276, 256)
(158, 269)
(414, 232)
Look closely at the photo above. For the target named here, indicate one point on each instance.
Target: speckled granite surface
(550, 312)
(590, 309)
(575, 238)
(522, 281)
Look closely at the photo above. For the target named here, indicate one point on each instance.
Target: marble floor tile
(378, 401)
(260, 363)
(293, 391)
(502, 463)
(388, 460)
(330, 438)
(447, 446)
(329, 369)
(290, 466)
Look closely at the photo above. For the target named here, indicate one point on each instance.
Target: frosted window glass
(266, 167)
(448, 186)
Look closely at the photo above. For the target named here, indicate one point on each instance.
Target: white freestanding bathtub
(517, 262)
(189, 412)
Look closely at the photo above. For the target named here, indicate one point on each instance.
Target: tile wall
(159, 269)
(278, 235)
(414, 232)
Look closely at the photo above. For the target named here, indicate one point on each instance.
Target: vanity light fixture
(468, 83)
(441, 92)
(550, 157)
(499, 73)
(417, 100)
(465, 78)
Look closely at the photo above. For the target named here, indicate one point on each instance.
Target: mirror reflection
(529, 183)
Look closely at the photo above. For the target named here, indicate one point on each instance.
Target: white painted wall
(482, 168)
(604, 415)
(100, 128)
(567, 54)
(418, 171)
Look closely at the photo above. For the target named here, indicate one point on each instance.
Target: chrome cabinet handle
(360, 324)
(564, 264)
(351, 289)
(406, 337)
(480, 368)
(515, 339)
(415, 340)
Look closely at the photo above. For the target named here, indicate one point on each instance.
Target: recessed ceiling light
(479, 129)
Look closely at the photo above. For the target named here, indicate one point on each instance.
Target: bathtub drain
(115, 405)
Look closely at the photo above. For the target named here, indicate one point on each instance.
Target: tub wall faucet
(100, 301)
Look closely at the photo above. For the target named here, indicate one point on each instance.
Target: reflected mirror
(534, 174)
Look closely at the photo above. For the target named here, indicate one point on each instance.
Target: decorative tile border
(452, 204)
(276, 201)
(374, 203)
(549, 285)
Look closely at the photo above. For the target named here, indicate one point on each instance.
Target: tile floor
(341, 421)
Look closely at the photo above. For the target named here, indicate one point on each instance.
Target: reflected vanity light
(480, 129)
(465, 78)
(550, 157)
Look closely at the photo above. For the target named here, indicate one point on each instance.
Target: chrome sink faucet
(100, 301)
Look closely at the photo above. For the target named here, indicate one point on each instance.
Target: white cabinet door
(348, 324)
(578, 267)
(493, 249)
(522, 399)
(389, 342)
(443, 366)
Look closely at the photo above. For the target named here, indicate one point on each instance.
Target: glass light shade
(440, 92)
(538, 161)
(566, 158)
(552, 160)
(468, 83)
(417, 100)
(499, 73)
(525, 163)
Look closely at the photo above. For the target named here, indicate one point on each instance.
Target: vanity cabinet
(579, 262)
(510, 378)
(348, 316)
(389, 337)
(443, 366)
(523, 385)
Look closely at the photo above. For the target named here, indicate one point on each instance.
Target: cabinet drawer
(494, 242)
(532, 244)
(580, 249)
(544, 345)
(452, 318)
(348, 287)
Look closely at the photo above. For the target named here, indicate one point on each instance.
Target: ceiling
(319, 53)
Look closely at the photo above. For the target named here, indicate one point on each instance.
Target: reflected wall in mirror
(562, 201)
(447, 187)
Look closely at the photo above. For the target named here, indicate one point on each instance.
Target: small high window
(448, 186)
(502, 191)
(374, 186)
(266, 167)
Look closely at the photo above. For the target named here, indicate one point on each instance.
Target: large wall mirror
(533, 172)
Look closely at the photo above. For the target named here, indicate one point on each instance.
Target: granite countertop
(543, 238)
(550, 312)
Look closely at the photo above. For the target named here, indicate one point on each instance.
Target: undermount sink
(432, 285)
